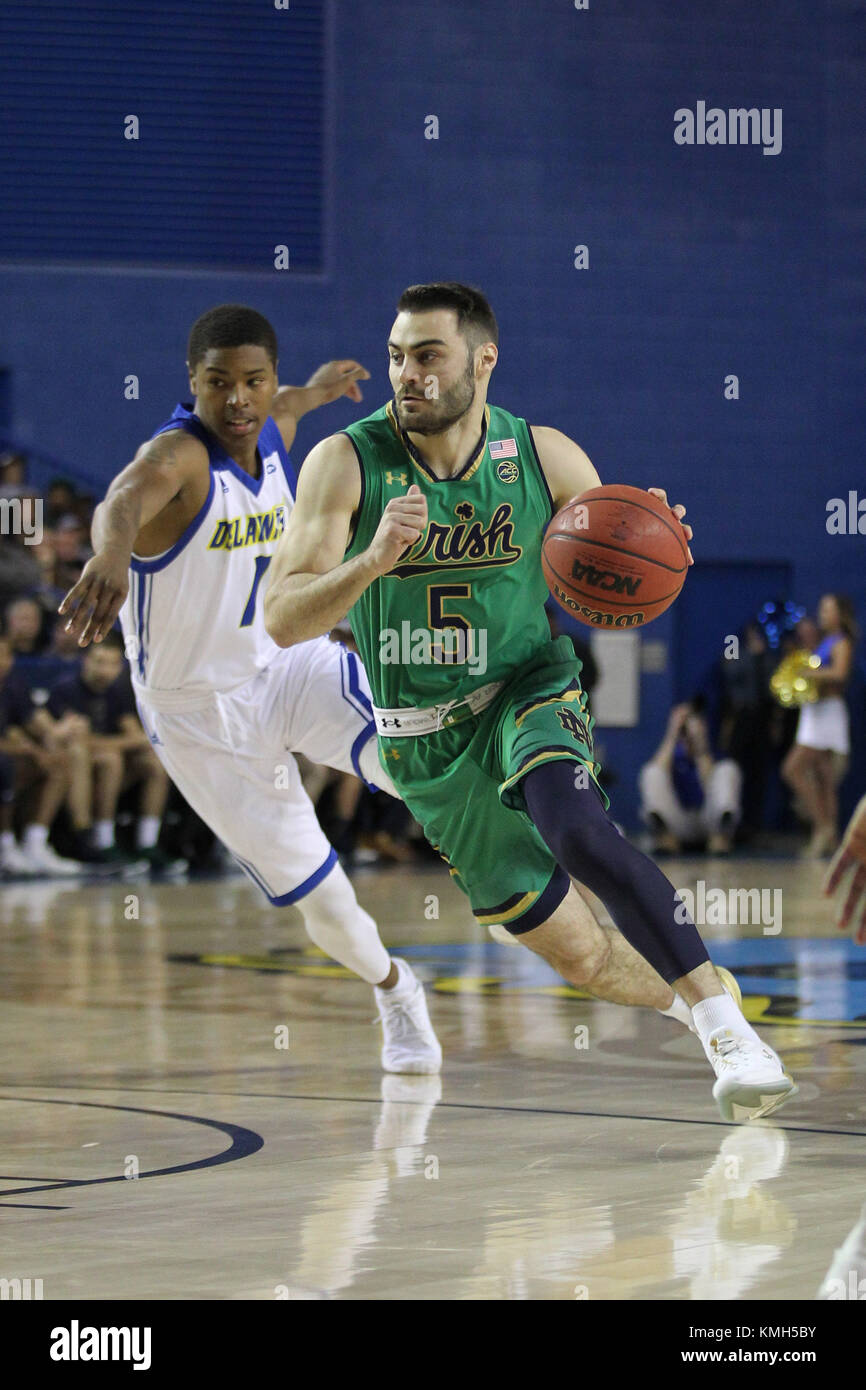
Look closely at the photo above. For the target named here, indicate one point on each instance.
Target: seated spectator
(71, 552)
(686, 795)
(41, 672)
(100, 694)
(60, 500)
(13, 475)
(20, 570)
(26, 624)
(34, 780)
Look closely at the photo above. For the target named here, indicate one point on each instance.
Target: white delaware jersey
(193, 622)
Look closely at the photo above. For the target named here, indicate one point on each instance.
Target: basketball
(615, 557)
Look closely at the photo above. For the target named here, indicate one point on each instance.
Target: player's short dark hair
(475, 318)
(230, 326)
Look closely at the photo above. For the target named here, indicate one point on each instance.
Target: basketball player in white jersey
(182, 541)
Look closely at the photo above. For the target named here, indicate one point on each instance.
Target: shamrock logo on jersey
(465, 511)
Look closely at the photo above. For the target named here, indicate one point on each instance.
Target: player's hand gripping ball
(615, 557)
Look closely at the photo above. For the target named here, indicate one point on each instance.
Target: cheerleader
(818, 759)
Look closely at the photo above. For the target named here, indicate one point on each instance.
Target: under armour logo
(401, 477)
(391, 724)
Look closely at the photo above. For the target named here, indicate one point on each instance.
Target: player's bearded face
(438, 412)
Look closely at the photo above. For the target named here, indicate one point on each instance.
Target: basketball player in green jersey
(424, 522)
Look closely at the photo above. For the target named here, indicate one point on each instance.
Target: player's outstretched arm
(569, 471)
(158, 475)
(851, 857)
(311, 588)
(328, 383)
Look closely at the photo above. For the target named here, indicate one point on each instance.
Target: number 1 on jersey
(262, 562)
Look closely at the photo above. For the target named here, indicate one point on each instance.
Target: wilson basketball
(615, 557)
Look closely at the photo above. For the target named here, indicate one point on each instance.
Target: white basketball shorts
(231, 759)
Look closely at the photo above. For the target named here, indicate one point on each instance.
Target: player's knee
(331, 904)
(579, 958)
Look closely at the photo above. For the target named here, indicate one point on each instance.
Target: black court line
(31, 1206)
(439, 1105)
(577, 1114)
(244, 1143)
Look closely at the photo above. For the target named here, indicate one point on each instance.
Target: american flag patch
(503, 448)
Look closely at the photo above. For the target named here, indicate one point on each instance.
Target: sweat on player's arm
(310, 588)
(170, 471)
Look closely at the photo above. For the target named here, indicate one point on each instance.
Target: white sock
(406, 981)
(7, 840)
(679, 1010)
(147, 832)
(35, 837)
(103, 834)
(340, 927)
(721, 1011)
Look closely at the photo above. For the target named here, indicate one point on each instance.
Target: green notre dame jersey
(465, 605)
(462, 608)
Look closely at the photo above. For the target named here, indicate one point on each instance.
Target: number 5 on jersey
(457, 646)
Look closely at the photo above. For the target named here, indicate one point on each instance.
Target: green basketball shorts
(463, 785)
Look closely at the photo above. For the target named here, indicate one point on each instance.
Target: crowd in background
(707, 784)
(81, 789)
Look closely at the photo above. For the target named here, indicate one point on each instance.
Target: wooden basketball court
(192, 1107)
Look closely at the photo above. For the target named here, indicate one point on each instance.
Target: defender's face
(234, 389)
(432, 370)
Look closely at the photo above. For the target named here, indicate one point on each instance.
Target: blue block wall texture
(307, 127)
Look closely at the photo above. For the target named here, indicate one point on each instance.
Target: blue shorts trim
(354, 695)
(360, 742)
(308, 884)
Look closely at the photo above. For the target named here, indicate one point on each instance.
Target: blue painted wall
(555, 129)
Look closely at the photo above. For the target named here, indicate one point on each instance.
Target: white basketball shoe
(410, 1045)
(46, 863)
(750, 1079)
